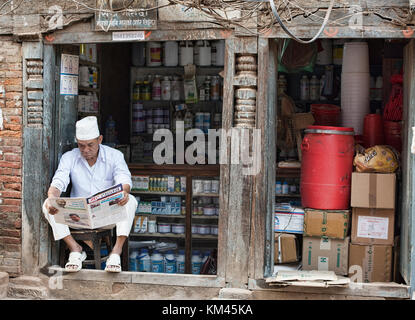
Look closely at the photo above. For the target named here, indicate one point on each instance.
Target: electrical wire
(326, 19)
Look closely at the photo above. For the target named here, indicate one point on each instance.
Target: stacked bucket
(355, 85)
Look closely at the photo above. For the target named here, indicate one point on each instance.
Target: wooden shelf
(214, 195)
(173, 235)
(166, 193)
(288, 195)
(288, 172)
(176, 216)
(88, 89)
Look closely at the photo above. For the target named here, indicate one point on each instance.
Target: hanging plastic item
(380, 159)
(394, 107)
(296, 57)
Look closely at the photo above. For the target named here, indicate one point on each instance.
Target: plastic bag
(380, 159)
(296, 57)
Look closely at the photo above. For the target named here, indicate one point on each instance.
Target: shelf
(175, 216)
(88, 89)
(166, 193)
(173, 235)
(166, 103)
(288, 195)
(288, 172)
(88, 63)
(205, 195)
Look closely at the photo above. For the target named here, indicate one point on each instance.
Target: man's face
(89, 148)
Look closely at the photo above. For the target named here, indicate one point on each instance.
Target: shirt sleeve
(121, 172)
(61, 178)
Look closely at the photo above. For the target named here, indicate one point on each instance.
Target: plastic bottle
(133, 262)
(314, 88)
(293, 188)
(144, 261)
(214, 89)
(95, 102)
(207, 88)
(110, 131)
(137, 91)
(206, 255)
(196, 262)
(285, 187)
(146, 91)
(188, 120)
(157, 262)
(166, 89)
(278, 187)
(175, 89)
(170, 262)
(180, 262)
(156, 91)
(305, 88)
(322, 83)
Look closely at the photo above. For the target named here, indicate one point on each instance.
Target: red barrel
(373, 130)
(392, 131)
(326, 167)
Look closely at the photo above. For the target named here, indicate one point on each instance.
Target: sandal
(75, 259)
(113, 263)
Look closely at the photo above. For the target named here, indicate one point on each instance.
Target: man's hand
(124, 200)
(51, 210)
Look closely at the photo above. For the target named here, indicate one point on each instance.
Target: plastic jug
(133, 265)
(196, 262)
(157, 262)
(180, 262)
(206, 255)
(144, 261)
(170, 262)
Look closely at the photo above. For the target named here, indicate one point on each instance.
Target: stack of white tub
(355, 85)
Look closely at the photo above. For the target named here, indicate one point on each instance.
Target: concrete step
(234, 294)
(27, 287)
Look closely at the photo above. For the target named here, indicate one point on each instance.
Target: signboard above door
(125, 15)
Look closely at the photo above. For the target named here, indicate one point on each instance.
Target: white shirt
(109, 169)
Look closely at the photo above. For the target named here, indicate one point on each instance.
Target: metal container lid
(330, 130)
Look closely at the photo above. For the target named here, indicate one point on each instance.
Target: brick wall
(11, 73)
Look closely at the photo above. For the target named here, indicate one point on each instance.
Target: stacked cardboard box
(372, 233)
(325, 241)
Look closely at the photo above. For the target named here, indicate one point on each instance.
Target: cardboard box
(326, 223)
(374, 263)
(373, 226)
(325, 254)
(302, 120)
(289, 221)
(373, 190)
(285, 249)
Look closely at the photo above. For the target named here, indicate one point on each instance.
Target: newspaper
(101, 209)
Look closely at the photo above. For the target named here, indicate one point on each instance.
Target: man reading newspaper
(92, 168)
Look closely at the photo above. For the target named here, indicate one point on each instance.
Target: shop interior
(330, 83)
(323, 220)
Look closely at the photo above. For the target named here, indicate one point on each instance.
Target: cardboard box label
(289, 222)
(323, 263)
(325, 244)
(373, 227)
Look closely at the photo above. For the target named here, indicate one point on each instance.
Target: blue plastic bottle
(170, 262)
(196, 262)
(144, 261)
(180, 262)
(133, 265)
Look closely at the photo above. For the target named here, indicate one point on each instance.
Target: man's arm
(126, 192)
(53, 192)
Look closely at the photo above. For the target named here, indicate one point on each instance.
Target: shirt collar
(101, 152)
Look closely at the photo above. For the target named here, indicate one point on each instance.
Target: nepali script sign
(113, 15)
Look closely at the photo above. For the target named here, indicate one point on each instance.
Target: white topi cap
(87, 128)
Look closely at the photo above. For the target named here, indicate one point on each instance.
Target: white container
(166, 89)
(209, 211)
(196, 262)
(180, 261)
(171, 53)
(214, 230)
(195, 229)
(144, 261)
(83, 76)
(355, 57)
(153, 54)
(152, 226)
(138, 54)
(197, 186)
(170, 263)
(203, 53)
(186, 54)
(325, 56)
(175, 88)
(177, 228)
(204, 229)
(304, 88)
(207, 186)
(314, 88)
(218, 53)
(164, 228)
(157, 262)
